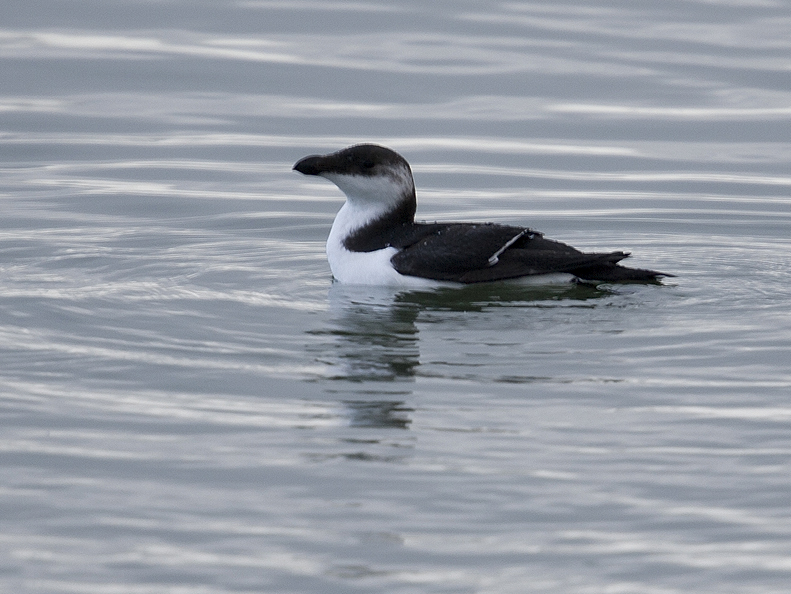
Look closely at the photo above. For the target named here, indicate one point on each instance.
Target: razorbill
(376, 241)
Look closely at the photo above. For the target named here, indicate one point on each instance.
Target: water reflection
(374, 336)
(384, 414)
(374, 332)
(507, 294)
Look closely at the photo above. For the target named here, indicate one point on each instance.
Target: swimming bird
(375, 240)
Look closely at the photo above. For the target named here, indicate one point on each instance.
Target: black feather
(462, 252)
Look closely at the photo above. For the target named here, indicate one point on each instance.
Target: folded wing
(472, 253)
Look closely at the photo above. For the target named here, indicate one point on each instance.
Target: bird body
(375, 240)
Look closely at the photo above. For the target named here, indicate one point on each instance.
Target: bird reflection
(374, 331)
(371, 340)
(483, 296)
(375, 337)
(390, 414)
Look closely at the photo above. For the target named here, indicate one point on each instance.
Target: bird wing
(469, 253)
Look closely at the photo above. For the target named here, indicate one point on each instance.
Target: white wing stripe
(496, 256)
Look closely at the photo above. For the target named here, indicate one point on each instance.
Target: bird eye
(368, 163)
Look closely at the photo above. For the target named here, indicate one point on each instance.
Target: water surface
(190, 405)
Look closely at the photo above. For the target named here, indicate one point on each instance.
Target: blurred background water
(189, 405)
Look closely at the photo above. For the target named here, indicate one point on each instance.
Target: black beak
(310, 165)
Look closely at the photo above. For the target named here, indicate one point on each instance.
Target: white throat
(370, 197)
(382, 193)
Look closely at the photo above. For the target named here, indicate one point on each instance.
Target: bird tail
(609, 270)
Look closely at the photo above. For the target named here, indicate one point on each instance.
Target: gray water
(191, 406)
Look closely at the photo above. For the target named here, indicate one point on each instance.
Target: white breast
(364, 268)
